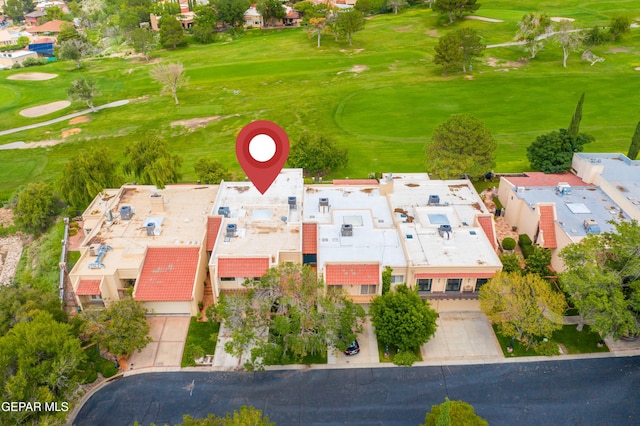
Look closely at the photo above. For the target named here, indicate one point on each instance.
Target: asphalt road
(582, 392)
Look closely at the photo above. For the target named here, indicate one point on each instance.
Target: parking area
(168, 334)
(368, 349)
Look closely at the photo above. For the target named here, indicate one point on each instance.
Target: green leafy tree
(538, 262)
(348, 23)
(121, 328)
(523, 306)
(16, 9)
(619, 25)
(75, 49)
(38, 362)
(574, 126)
(171, 77)
(533, 30)
(311, 10)
(171, 33)
(602, 277)
(396, 5)
(569, 39)
(448, 53)
(386, 280)
(150, 161)
(462, 144)
(453, 413)
(553, 152)
(55, 12)
(247, 416)
(83, 90)
(231, 12)
(36, 208)
(22, 303)
(289, 306)
(454, 9)
(317, 155)
(210, 171)
(595, 37)
(68, 31)
(318, 26)
(143, 41)
(401, 318)
(511, 262)
(204, 25)
(634, 148)
(86, 174)
(271, 10)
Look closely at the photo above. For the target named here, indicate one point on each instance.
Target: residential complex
(163, 247)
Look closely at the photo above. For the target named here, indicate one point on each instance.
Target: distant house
(8, 59)
(48, 28)
(292, 19)
(10, 38)
(252, 18)
(32, 17)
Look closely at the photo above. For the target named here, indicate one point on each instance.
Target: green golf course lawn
(380, 98)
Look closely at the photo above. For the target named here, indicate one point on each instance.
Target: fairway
(380, 98)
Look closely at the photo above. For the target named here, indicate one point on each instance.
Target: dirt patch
(561, 19)
(195, 123)
(355, 69)
(45, 109)
(468, 77)
(404, 29)
(495, 62)
(6, 216)
(10, 252)
(70, 132)
(619, 50)
(81, 119)
(482, 18)
(432, 33)
(32, 76)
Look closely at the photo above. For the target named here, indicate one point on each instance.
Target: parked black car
(353, 348)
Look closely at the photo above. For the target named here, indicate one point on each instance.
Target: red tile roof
(355, 182)
(455, 275)
(168, 274)
(88, 288)
(486, 222)
(542, 179)
(548, 227)
(213, 226)
(309, 238)
(48, 27)
(350, 274)
(247, 267)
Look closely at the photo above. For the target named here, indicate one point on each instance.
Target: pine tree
(635, 144)
(574, 127)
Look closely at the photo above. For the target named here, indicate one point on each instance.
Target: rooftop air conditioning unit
(292, 203)
(323, 205)
(346, 230)
(519, 189)
(94, 249)
(591, 226)
(151, 227)
(224, 211)
(434, 200)
(231, 230)
(445, 230)
(126, 212)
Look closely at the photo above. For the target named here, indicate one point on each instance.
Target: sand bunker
(80, 119)
(561, 19)
(34, 76)
(195, 123)
(482, 18)
(45, 109)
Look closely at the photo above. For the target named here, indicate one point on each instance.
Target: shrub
(525, 244)
(547, 348)
(508, 243)
(405, 358)
(511, 262)
(30, 62)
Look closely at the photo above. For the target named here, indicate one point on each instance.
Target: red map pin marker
(262, 148)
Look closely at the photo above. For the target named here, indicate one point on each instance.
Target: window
(367, 289)
(453, 284)
(256, 279)
(480, 282)
(424, 284)
(397, 279)
(227, 278)
(95, 297)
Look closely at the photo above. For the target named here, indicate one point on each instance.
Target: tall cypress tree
(634, 148)
(574, 127)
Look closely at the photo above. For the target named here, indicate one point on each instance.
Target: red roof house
(168, 274)
(352, 274)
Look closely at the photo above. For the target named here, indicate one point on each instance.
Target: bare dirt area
(6, 217)
(504, 65)
(432, 33)
(561, 19)
(32, 76)
(66, 133)
(195, 123)
(482, 18)
(356, 69)
(45, 109)
(404, 29)
(81, 119)
(10, 252)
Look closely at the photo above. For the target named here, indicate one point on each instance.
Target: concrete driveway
(169, 334)
(464, 333)
(368, 349)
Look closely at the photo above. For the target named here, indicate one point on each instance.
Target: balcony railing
(455, 295)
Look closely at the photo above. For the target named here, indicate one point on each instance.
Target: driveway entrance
(169, 335)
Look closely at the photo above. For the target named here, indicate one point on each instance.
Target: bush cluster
(525, 244)
(508, 243)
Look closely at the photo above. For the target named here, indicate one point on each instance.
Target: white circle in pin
(262, 148)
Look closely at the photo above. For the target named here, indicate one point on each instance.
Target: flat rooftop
(265, 224)
(178, 213)
(620, 171)
(374, 237)
(573, 209)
